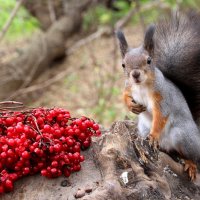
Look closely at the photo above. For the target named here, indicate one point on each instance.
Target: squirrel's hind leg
(175, 140)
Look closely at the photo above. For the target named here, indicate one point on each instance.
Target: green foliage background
(23, 24)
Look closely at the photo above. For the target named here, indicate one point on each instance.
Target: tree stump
(131, 169)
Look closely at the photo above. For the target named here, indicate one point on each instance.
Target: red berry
(8, 185)
(98, 133)
(66, 172)
(9, 120)
(76, 148)
(82, 136)
(25, 155)
(70, 142)
(26, 170)
(11, 142)
(19, 128)
(54, 164)
(44, 172)
(86, 144)
(77, 167)
(95, 127)
(54, 171)
(1, 189)
(76, 156)
(37, 151)
(3, 155)
(82, 158)
(47, 128)
(13, 176)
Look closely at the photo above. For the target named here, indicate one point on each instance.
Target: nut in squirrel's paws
(153, 141)
(191, 168)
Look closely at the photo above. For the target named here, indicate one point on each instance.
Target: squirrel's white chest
(141, 95)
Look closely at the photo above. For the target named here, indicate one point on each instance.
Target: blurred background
(63, 53)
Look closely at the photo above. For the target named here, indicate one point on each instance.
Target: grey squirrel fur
(175, 48)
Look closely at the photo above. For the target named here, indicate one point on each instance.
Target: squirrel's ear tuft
(122, 43)
(148, 39)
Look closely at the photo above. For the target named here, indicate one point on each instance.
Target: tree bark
(150, 175)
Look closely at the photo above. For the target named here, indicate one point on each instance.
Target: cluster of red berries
(42, 140)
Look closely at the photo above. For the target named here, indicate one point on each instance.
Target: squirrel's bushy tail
(177, 54)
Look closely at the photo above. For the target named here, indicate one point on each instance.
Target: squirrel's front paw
(131, 104)
(134, 107)
(153, 141)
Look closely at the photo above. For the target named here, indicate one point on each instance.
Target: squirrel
(163, 86)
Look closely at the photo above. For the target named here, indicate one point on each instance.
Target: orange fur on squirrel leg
(158, 122)
(191, 168)
(128, 100)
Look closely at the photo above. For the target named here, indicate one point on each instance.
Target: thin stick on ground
(10, 20)
(11, 102)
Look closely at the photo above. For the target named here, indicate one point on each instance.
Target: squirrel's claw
(191, 168)
(153, 142)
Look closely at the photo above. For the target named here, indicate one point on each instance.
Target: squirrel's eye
(149, 60)
(123, 65)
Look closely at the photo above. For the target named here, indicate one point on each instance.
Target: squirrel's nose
(136, 74)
